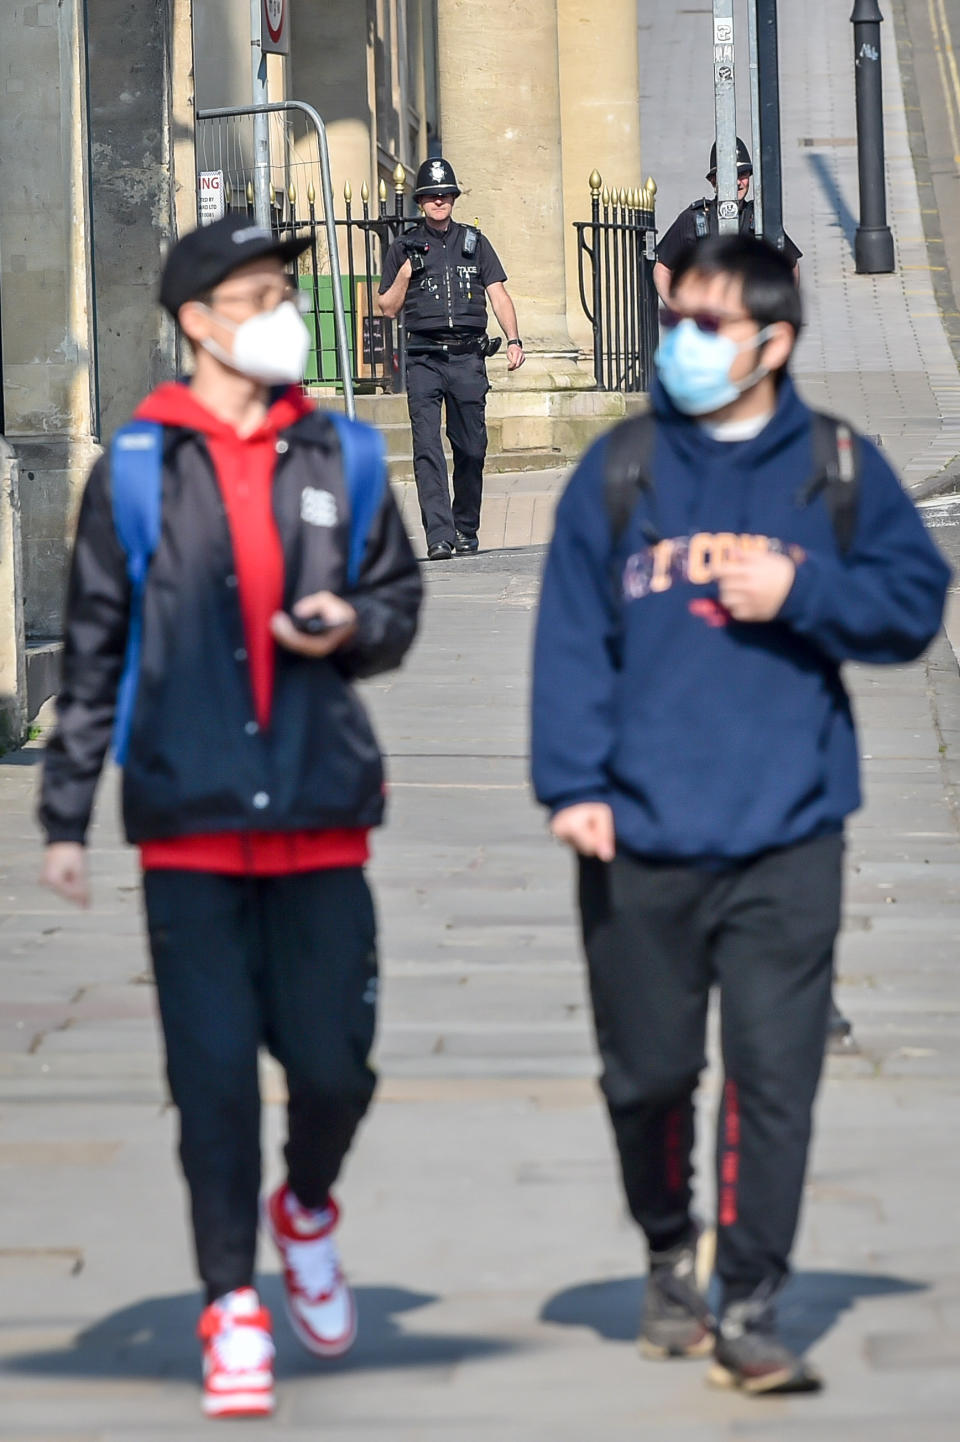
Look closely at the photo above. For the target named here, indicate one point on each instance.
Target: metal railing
(353, 348)
(619, 297)
(288, 107)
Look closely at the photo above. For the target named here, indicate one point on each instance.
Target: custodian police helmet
(436, 177)
(744, 163)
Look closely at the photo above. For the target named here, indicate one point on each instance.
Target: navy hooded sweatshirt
(713, 739)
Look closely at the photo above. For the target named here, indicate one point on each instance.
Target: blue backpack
(136, 466)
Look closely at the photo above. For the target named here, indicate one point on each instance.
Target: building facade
(99, 155)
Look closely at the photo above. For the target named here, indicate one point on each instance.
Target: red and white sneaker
(319, 1303)
(237, 1356)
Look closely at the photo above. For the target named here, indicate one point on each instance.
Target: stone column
(329, 69)
(500, 127)
(48, 331)
(600, 116)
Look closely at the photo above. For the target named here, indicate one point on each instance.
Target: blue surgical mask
(694, 368)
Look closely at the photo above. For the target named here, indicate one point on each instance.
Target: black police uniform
(445, 314)
(700, 220)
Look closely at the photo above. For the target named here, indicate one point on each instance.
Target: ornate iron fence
(619, 297)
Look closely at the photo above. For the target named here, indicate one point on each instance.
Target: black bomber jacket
(197, 762)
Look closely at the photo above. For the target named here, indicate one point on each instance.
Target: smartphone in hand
(313, 625)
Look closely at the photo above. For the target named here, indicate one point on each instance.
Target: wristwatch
(516, 341)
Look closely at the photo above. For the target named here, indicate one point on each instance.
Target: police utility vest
(706, 222)
(448, 293)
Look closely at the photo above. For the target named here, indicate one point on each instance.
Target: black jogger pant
(460, 381)
(657, 936)
(286, 962)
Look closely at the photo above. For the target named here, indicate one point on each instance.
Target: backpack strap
(364, 455)
(836, 472)
(627, 471)
(136, 466)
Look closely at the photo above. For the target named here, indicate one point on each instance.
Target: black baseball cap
(206, 256)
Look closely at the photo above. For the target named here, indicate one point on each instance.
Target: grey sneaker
(676, 1320)
(750, 1356)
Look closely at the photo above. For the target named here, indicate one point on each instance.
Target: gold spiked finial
(364, 192)
(399, 178)
(249, 192)
(605, 197)
(228, 192)
(347, 191)
(273, 194)
(595, 182)
(382, 190)
(292, 193)
(650, 192)
(312, 194)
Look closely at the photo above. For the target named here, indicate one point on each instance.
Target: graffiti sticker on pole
(211, 205)
(275, 26)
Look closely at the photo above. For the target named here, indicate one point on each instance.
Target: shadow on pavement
(846, 220)
(26, 756)
(156, 1338)
(809, 1305)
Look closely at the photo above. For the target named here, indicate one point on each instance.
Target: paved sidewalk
(874, 349)
(499, 1281)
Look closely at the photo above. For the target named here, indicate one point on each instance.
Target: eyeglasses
(266, 298)
(707, 321)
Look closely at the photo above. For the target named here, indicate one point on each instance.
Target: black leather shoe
(439, 551)
(466, 545)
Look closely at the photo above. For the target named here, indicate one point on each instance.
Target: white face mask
(271, 347)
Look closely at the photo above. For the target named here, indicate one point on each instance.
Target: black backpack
(836, 472)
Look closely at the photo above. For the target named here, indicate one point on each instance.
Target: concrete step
(526, 430)
(497, 463)
(43, 673)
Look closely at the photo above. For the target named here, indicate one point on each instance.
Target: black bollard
(874, 243)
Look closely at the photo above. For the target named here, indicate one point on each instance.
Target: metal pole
(755, 117)
(330, 225)
(873, 247)
(768, 95)
(725, 106)
(261, 125)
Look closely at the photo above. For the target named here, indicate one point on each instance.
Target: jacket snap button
(240, 654)
(251, 728)
(231, 581)
(261, 800)
(282, 447)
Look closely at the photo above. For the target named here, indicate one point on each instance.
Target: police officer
(440, 275)
(700, 220)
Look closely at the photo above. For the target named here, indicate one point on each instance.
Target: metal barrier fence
(353, 348)
(620, 299)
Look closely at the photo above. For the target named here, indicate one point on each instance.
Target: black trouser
(286, 962)
(657, 937)
(461, 382)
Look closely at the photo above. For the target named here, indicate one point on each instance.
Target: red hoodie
(244, 469)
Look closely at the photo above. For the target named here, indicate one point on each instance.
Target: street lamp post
(770, 220)
(873, 247)
(261, 131)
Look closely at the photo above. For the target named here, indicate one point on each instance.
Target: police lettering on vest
(449, 293)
